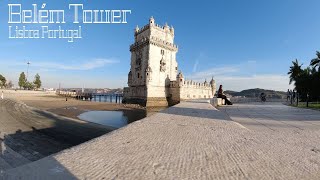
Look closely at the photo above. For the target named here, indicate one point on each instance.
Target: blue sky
(243, 44)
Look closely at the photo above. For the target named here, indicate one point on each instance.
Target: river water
(117, 119)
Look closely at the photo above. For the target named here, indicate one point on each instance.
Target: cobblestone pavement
(195, 141)
(273, 117)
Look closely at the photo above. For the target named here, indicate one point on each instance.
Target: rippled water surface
(117, 119)
(114, 119)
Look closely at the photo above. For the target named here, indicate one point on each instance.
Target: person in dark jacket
(221, 95)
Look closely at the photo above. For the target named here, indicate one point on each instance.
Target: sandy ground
(72, 108)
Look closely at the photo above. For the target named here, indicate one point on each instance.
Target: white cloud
(53, 80)
(264, 81)
(242, 76)
(50, 78)
(252, 61)
(89, 65)
(202, 56)
(214, 72)
(195, 66)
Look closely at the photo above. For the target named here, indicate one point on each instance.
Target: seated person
(263, 97)
(221, 95)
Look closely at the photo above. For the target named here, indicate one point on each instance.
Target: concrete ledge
(149, 102)
(215, 101)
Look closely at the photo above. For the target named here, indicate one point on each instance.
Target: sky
(242, 44)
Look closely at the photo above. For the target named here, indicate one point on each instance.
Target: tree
(37, 81)
(306, 81)
(303, 82)
(28, 85)
(9, 85)
(316, 61)
(22, 80)
(2, 81)
(295, 71)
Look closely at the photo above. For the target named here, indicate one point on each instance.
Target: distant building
(153, 79)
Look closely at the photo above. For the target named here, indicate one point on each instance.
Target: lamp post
(28, 69)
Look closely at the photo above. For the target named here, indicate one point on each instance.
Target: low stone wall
(149, 102)
(157, 102)
(248, 100)
(215, 101)
(140, 101)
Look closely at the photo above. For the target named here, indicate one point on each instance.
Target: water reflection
(117, 119)
(113, 119)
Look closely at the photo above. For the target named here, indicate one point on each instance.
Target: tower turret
(151, 21)
(166, 28)
(213, 86)
(137, 29)
(205, 82)
(180, 78)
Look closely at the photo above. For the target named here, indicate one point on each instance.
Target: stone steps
(4, 165)
(11, 158)
(21, 144)
(28, 134)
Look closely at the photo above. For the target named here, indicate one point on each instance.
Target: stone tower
(153, 65)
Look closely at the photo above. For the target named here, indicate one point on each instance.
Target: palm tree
(295, 71)
(316, 61)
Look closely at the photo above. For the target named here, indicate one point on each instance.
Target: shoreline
(72, 108)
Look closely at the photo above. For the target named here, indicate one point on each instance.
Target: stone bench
(215, 101)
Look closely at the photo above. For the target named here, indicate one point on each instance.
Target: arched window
(138, 75)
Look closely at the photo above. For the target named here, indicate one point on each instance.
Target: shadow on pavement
(196, 112)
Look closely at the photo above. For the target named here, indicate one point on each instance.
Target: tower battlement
(153, 25)
(155, 41)
(165, 33)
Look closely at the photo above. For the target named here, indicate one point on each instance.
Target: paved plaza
(265, 117)
(195, 141)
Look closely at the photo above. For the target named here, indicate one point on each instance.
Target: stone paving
(195, 141)
(273, 117)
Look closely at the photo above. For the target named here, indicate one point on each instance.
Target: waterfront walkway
(195, 141)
